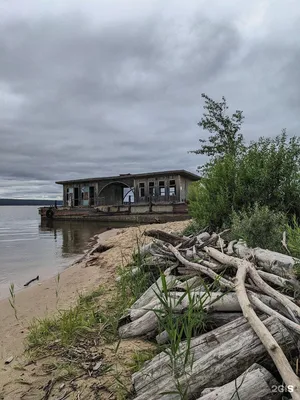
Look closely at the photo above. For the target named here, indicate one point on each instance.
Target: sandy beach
(42, 299)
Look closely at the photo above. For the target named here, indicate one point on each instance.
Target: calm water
(29, 247)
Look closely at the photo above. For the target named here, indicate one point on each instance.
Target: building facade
(153, 187)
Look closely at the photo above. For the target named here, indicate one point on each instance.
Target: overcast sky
(102, 87)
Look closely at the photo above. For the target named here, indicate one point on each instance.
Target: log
(267, 339)
(164, 236)
(270, 261)
(150, 295)
(291, 307)
(145, 322)
(215, 320)
(201, 268)
(219, 356)
(255, 383)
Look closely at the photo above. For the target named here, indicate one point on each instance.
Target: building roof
(180, 172)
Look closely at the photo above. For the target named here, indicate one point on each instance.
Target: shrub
(259, 227)
(211, 199)
(266, 172)
(293, 238)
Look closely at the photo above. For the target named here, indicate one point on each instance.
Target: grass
(90, 317)
(96, 315)
(140, 357)
(67, 326)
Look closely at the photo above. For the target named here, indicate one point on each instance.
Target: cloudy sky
(102, 87)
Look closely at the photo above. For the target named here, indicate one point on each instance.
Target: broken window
(172, 188)
(151, 189)
(142, 189)
(162, 189)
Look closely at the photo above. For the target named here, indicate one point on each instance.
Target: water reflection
(74, 234)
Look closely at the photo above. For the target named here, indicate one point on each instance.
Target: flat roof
(180, 172)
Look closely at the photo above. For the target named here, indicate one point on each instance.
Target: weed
(67, 326)
(140, 357)
(293, 237)
(12, 300)
(179, 327)
(57, 279)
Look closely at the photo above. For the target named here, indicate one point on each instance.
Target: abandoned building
(154, 187)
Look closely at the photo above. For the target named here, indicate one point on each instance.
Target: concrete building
(153, 187)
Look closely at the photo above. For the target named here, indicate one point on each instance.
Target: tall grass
(179, 327)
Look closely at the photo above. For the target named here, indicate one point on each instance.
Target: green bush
(259, 226)
(266, 172)
(211, 199)
(293, 238)
(193, 228)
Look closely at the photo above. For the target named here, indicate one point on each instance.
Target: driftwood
(259, 283)
(214, 360)
(255, 383)
(144, 321)
(215, 320)
(32, 280)
(166, 237)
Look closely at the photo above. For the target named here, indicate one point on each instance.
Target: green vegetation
(67, 327)
(238, 178)
(259, 227)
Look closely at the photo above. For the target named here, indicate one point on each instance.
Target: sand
(41, 299)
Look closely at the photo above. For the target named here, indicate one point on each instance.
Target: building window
(67, 195)
(151, 189)
(172, 189)
(142, 189)
(162, 189)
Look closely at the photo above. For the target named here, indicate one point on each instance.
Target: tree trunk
(144, 320)
(219, 356)
(215, 320)
(255, 383)
(164, 236)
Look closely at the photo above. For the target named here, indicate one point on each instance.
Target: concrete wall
(157, 198)
(111, 193)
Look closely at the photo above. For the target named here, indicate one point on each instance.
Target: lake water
(29, 247)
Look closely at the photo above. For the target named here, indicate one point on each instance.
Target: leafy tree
(225, 138)
(267, 172)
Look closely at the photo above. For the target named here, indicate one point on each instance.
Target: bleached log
(230, 250)
(191, 283)
(255, 383)
(144, 321)
(149, 294)
(259, 305)
(164, 236)
(270, 261)
(270, 343)
(201, 268)
(215, 320)
(291, 307)
(220, 362)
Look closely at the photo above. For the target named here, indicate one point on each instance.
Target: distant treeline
(28, 202)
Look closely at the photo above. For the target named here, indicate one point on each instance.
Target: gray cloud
(89, 93)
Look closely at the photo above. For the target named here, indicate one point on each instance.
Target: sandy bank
(41, 299)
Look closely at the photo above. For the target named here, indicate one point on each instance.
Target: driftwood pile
(254, 312)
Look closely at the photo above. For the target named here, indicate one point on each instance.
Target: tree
(225, 138)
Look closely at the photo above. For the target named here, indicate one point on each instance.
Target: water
(29, 247)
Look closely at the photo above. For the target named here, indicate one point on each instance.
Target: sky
(103, 87)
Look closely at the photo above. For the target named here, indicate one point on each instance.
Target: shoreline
(40, 301)
(75, 260)
(73, 280)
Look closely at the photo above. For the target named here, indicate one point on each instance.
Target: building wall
(157, 197)
(111, 193)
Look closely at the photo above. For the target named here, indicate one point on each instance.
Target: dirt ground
(23, 379)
